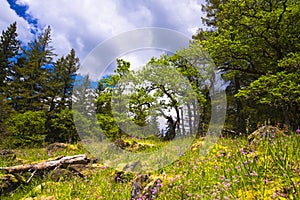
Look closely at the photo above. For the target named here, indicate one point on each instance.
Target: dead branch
(63, 162)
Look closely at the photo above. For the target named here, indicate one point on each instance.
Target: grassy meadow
(233, 168)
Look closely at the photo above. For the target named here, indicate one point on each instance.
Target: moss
(10, 182)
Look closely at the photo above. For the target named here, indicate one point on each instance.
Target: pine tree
(30, 85)
(9, 48)
(61, 82)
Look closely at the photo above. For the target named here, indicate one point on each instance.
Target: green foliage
(279, 89)
(106, 117)
(28, 90)
(61, 82)
(27, 82)
(62, 127)
(5, 112)
(9, 46)
(26, 129)
(253, 42)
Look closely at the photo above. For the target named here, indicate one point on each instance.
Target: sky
(84, 24)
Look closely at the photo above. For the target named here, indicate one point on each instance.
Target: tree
(9, 49)
(247, 40)
(28, 91)
(62, 127)
(111, 120)
(61, 82)
(160, 90)
(280, 90)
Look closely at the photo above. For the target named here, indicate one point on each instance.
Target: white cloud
(186, 14)
(92, 21)
(83, 25)
(139, 58)
(9, 16)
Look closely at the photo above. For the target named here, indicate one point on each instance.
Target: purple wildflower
(154, 191)
(242, 151)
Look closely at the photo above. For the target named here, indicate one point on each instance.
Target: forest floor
(267, 167)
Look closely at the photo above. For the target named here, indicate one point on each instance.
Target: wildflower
(158, 183)
(298, 130)
(242, 151)
(154, 191)
(272, 137)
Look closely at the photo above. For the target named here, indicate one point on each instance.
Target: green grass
(232, 169)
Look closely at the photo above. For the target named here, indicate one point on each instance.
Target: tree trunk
(48, 165)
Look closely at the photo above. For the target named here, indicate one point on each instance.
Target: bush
(25, 129)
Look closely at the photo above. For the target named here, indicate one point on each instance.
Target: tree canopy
(256, 45)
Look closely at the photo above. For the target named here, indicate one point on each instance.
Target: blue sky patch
(21, 12)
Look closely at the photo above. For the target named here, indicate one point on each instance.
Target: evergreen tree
(9, 49)
(59, 100)
(61, 82)
(29, 88)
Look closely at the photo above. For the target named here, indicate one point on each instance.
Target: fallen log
(47, 165)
